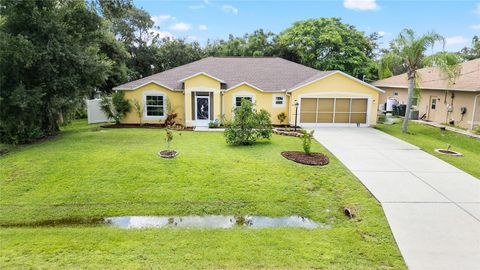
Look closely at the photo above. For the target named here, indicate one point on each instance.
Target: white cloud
(194, 38)
(162, 18)
(202, 27)
(383, 33)
(475, 26)
(456, 40)
(360, 4)
(163, 34)
(477, 9)
(180, 26)
(196, 6)
(230, 9)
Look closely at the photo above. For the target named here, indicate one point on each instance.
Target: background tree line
(54, 53)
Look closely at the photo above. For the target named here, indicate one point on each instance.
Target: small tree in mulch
(306, 157)
(307, 141)
(168, 140)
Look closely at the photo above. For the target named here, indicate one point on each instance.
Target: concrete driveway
(432, 207)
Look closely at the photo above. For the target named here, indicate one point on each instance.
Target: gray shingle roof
(266, 73)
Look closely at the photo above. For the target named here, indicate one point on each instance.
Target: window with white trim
(238, 100)
(278, 100)
(154, 105)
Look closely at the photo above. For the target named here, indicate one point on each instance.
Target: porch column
(188, 108)
(217, 105)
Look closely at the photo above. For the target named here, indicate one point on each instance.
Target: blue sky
(200, 20)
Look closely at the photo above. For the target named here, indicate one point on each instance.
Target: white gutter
(474, 109)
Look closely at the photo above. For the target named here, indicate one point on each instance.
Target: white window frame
(154, 93)
(242, 95)
(274, 101)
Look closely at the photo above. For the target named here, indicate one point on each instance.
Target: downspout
(474, 109)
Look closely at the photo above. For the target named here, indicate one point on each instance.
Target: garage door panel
(359, 105)
(359, 118)
(308, 105)
(342, 105)
(307, 117)
(342, 118)
(325, 105)
(324, 117)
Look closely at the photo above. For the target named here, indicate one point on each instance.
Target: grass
(89, 172)
(430, 138)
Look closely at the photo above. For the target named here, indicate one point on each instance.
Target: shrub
(307, 141)
(171, 115)
(248, 125)
(281, 117)
(214, 124)
(477, 129)
(115, 108)
(138, 110)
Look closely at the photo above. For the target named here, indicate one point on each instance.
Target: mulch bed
(314, 159)
(142, 126)
(168, 153)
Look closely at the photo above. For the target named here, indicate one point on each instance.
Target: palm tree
(411, 50)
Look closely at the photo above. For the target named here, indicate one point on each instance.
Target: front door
(202, 113)
(432, 109)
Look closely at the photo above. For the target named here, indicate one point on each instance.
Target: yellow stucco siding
(337, 85)
(262, 100)
(175, 98)
(202, 81)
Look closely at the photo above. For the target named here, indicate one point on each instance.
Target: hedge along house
(206, 90)
(440, 100)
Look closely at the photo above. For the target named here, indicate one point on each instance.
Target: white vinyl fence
(95, 114)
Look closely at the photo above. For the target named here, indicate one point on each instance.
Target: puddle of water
(213, 221)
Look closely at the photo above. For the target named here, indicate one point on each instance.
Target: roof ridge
(187, 64)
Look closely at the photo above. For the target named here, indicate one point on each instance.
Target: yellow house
(209, 89)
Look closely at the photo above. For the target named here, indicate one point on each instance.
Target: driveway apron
(432, 207)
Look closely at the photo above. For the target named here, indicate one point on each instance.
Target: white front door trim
(202, 122)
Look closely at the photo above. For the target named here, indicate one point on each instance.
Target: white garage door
(333, 110)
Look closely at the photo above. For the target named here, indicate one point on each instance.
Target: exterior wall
(262, 100)
(337, 85)
(175, 98)
(444, 97)
(201, 83)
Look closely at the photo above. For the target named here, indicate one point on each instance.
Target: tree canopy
(50, 57)
(329, 44)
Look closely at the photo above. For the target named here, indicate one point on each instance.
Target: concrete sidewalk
(432, 207)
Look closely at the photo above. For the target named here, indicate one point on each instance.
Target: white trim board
(342, 73)
(201, 73)
(136, 87)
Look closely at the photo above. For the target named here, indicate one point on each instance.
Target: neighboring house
(203, 91)
(441, 101)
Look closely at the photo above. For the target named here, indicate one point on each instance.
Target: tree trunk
(411, 83)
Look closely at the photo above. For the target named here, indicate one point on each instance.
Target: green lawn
(90, 172)
(429, 138)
